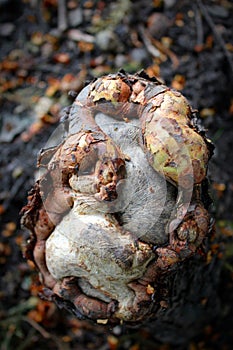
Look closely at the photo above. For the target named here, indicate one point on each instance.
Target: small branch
(62, 15)
(147, 42)
(199, 27)
(166, 51)
(45, 334)
(36, 326)
(156, 48)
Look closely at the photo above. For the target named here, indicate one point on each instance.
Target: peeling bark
(122, 202)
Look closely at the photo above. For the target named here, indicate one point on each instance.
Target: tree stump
(119, 224)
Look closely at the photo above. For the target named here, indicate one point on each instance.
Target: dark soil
(47, 51)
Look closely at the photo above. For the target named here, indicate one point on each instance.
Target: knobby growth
(121, 200)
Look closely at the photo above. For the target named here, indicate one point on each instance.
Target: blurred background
(49, 47)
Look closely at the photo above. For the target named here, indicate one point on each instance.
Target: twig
(166, 51)
(37, 7)
(218, 37)
(156, 48)
(60, 344)
(199, 26)
(147, 42)
(36, 326)
(62, 15)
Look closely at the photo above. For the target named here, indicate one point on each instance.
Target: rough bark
(119, 218)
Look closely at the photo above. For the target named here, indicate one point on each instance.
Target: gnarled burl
(120, 201)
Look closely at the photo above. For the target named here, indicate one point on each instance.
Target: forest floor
(48, 49)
